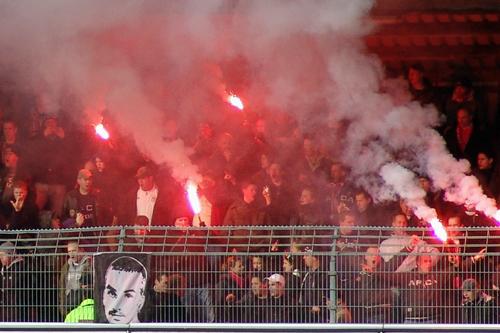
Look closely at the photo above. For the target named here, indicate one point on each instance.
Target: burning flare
(439, 229)
(101, 131)
(192, 194)
(235, 101)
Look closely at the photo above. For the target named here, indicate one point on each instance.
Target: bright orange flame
(439, 229)
(192, 194)
(235, 101)
(101, 131)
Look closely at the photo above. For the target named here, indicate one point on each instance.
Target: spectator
(21, 212)
(13, 171)
(478, 307)
(463, 97)
(18, 287)
(80, 204)
(167, 299)
(371, 297)
(395, 249)
(75, 279)
(280, 308)
(314, 289)
(253, 305)
(341, 192)
(292, 277)
(10, 140)
(228, 291)
(51, 171)
(465, 140)
(247, 212)
(368, 213)
(148, 200)
(488, 174)
(420, 86)
(279, 196)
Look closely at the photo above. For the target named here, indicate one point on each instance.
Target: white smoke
(145, 61)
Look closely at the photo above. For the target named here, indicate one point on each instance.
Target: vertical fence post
(333, 278)
(121, 238)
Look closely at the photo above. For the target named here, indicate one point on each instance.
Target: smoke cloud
(148, 61)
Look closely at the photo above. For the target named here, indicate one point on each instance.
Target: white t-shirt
(146, 202)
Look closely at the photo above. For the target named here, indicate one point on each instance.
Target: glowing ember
(497, 216)
(194, 200)
(235, 101)
(439, 229)
(101, 131)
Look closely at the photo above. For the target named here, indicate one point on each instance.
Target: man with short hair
(74, 278)
(80, 204)
(314, 288)
(124, 290)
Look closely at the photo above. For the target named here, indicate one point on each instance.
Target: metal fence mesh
(263, 274)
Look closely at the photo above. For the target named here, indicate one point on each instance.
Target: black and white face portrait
(124, 290)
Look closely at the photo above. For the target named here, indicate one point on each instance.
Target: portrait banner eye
(120, 288)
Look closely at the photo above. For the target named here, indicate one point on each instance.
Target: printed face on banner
(124, 290)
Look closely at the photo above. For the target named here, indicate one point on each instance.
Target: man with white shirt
(147, 200)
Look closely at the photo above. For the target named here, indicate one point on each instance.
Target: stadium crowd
(257, 170)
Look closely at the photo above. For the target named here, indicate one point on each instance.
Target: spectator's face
(9, 131)
(260, 126)
(425, 264)
(484, 162)
(123, 296)
(287, 266)
(275, 172)
(372, 257)
(306, 197)
(250, 193)
(10, 159)
(399, 224)
(309, 260)
(5, 258)
(362, 202)
(337, 173)
(257, 286)
(257, 263)
(99, 164)
(20, 193)
(237, 267)
(347, 224)
(454, 223)
(470, 295)
(275, 288)
(85, 181)
(425, 184)
(51, 126)
(73, 250)
(146, 183)
(463, 118)
(460, 92)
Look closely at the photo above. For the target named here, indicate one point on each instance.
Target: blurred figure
(80, 204)
(420, 86)
(478, 307)
(487, 173)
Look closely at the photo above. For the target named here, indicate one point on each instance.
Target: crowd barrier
(261, 275)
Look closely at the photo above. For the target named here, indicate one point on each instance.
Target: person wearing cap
(149, 199)
(281, 308)
(478, 307)
(80, 204)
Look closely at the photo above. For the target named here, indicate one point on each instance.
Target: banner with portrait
(120, 287)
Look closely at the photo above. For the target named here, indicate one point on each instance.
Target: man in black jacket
(478, 307)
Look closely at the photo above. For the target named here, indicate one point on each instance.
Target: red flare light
(235, 101)
(439, 229)
(101, 131)
(192, 194)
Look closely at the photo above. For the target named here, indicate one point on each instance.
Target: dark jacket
(477, 141)
(483, 310)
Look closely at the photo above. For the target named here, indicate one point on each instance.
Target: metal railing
(263, 275)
